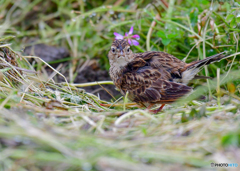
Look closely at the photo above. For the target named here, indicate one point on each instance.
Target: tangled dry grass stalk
(46, 125)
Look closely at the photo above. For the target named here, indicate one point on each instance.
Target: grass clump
(47, 125)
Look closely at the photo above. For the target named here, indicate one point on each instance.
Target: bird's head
(120, 53)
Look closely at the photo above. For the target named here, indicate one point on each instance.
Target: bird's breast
(115, 74)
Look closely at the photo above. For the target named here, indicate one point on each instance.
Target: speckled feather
(153, 77)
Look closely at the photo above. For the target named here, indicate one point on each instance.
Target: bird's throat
(121, 61)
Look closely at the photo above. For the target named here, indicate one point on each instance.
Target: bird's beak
(121, 52)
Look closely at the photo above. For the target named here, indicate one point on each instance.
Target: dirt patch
(90, 75)
(47, 53)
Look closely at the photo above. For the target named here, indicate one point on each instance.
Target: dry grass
(51, 126)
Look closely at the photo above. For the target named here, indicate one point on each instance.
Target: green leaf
(73, 98)
(125, 100)
(238, 19)
(144, 131)
(193, 16)
(233, 23)
(229, 17)
(172, 35)
(5, 69)
(6, 38)
(192, 114)
(166, 41)
(205, 2)
(161, 34)
(231, 139)
(184, 118)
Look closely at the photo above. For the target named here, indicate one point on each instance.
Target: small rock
(47, 53)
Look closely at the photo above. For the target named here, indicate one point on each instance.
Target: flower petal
(136, 37)
(126, 34)
(135, 43)
(129, 41)
(130, 31)
(118, 36)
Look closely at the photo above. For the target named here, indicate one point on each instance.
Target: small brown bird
(152, 77)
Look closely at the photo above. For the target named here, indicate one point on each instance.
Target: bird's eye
(128, 49)
(113, 50)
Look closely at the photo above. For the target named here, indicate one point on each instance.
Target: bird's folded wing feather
(164, 61)
(146, 84)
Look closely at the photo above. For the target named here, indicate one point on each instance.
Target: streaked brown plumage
(152, 77)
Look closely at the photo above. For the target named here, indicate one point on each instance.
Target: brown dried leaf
(231, 88)
(54, 104)
(203, 21)
(212, 24)
(199, 28)
(1, 76)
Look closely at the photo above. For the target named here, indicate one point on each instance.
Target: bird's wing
(146, 84)
(164, 61)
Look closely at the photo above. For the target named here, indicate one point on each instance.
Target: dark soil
(90, 75)
(47, 53)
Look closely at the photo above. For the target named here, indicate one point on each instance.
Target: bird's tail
(207, 61)
(193, 68)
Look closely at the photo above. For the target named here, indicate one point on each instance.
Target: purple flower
(118, 36)
(129, 37)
